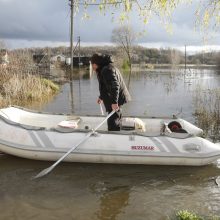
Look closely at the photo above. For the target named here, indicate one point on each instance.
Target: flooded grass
(21, 83)
(207, 111)
(186, 215)
(190, 215)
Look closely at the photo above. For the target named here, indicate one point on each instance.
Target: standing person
(112, 88)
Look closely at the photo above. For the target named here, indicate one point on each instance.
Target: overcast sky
(26, 23)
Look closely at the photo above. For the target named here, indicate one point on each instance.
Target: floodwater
(160, 93)
(115, 192)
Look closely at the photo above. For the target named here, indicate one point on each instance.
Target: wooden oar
(49, 169)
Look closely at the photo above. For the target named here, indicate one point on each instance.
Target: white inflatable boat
(161, 141)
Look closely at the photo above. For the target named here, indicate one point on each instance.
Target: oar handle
(101, 109)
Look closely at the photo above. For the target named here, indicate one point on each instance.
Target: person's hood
(106, 60)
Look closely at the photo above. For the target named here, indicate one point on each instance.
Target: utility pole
(71, 37)
(202, 56)
(79, 52)
(71, 54)
(185, 57)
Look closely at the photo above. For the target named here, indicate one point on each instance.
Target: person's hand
(99, 101)
(115, 107)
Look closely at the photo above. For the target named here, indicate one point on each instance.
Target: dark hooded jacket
(111, 84)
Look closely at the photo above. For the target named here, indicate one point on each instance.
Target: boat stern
(190, 128)
(218, 145)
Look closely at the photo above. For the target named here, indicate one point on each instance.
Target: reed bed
(20, 82)
(207, 111)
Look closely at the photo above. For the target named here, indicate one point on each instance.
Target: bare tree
(124, 37)
(3, 45)
(3, 53)
(174, 57)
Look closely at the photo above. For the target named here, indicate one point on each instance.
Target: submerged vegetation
(188, 215)
(20, 82)
(207, 111)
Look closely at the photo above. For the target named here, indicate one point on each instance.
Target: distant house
(4, 60)
(58, 58)
(41, 60)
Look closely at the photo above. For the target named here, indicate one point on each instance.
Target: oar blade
(43, 172)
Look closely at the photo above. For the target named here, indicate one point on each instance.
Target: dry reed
(21, 83)
(207, 111)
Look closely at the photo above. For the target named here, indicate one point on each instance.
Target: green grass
(186, 215)
(190, 215)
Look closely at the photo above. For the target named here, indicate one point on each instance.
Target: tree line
(140, 55)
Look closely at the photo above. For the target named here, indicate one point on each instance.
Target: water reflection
(112, 202)
(94, 191)
(71, 97)
(154, 93)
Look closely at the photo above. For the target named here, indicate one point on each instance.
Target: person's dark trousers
(114, 122)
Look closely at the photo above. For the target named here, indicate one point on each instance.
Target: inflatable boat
(155, 141)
